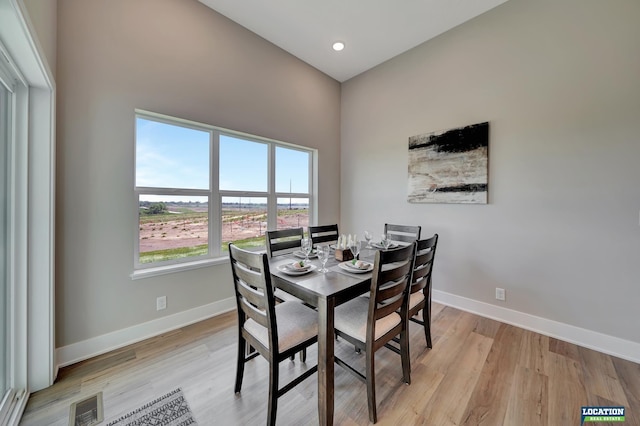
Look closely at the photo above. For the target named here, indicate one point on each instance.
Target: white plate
(379, 246)
(299, 254)
(348, 266)
(285, 270)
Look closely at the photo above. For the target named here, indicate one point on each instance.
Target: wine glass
(368, 236)
(307, 246)
(323, 253)
(355, 247)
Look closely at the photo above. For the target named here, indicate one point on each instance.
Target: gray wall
(559, 84)
(175, 57)
(42, 14)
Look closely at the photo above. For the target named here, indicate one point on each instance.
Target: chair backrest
(254, 292)
(283, 241)
(402, 233)
(390, 284)
(423, 264)
(323, 234)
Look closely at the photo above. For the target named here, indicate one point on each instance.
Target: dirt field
(167, 234)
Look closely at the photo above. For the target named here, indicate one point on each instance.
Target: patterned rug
(169, 410)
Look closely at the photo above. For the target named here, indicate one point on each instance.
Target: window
(199, 187)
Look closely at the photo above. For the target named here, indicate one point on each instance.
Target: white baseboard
(86, 349)
(604, 343)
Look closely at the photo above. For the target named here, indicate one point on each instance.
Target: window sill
(179, 267)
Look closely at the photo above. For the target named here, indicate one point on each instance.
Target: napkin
(298, 266)
(359, 264)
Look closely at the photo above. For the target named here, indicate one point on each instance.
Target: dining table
(324, 291)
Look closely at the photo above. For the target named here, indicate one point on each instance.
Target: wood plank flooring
(479, 372)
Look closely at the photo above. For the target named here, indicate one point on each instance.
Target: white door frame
(31, 202)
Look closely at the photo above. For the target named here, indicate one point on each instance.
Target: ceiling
(373, 30)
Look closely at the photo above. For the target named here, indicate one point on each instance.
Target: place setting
(300, 267)
(300, 254)
(306, 251)
(356, 266)
(384, 243)
(347, 252)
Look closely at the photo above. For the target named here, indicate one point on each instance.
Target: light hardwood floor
(479, 372)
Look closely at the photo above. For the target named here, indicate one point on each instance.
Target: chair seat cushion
(351, 319)
(415, 298)
(296, 323)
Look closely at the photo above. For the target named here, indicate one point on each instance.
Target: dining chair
(402, 233)
(279, 243)
(369, 323)
(276, 332)
(284, 241)
(420, 290)
(323, 234)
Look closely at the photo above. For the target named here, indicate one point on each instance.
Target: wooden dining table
(324, 291)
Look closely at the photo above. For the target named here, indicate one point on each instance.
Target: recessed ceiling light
(338, 46)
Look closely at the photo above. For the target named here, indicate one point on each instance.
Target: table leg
(325, 361)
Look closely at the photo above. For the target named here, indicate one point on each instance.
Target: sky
(169, 156)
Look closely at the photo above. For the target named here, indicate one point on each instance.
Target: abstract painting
(450, 166)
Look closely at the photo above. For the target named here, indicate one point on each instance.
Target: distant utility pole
(289, 194)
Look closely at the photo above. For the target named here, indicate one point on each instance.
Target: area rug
(168, 410)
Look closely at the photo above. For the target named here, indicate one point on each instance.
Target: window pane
(170, 156)
(244, 222)
(292, 170)
(293, 213)
(243, 165)
(173, 227)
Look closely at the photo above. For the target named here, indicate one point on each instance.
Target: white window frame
(215, 254)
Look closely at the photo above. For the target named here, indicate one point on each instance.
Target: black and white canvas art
(450, 166)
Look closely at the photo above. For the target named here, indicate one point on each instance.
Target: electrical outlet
(161, 303)
(500, 293)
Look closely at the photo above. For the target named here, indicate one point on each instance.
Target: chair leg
(404, 354)
(371, 387)
(242, 346)
(303, 355)
(273, 393)
(426, 319)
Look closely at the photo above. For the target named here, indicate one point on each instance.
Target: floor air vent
(87, 412)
